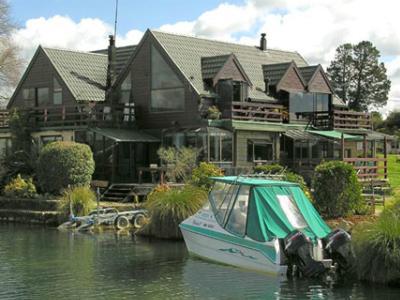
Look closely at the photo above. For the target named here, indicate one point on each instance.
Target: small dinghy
(265, 225)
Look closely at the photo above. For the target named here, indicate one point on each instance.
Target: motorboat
(265, 225)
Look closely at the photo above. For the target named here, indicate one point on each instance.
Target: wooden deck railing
(251, 111)
(76, 115)
(369, 169)
(4, 117)
(342, 119)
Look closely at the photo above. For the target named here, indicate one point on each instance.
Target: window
(167, 91)
(260, 151)
(292, 212)
(126, 87)
(306, 103)
(28, 94)
(238, 215)
(240, 91)
(220, 146)
(42, 96)
(57, 92)
(5, 146)
(49, 139)
(301, 150)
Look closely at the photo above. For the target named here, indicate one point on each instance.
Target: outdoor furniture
(154, 171)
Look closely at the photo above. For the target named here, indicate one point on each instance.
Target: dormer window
(240, 91)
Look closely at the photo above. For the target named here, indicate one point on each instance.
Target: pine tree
(358, 77)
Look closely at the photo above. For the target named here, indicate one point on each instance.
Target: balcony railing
(342, 119)
(76, 115)
(251, 111)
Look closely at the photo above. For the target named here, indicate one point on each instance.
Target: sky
(314, 28)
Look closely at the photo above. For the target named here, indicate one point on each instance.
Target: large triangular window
(167, 91)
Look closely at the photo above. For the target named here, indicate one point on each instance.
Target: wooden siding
(291, 81)
(319, 84)
(240, 145)
(230, 70)
(141, 78)
(39, 75)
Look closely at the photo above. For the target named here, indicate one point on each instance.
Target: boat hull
(235, 251)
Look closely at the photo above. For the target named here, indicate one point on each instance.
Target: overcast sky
(314, 28)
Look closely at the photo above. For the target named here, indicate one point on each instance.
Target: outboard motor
(338, 247)
(297, 250)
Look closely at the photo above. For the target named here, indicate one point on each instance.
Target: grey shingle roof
(308, 72)
(122, 55)
(84, 73)
(212, 64)
(275, 72)
(187, 52)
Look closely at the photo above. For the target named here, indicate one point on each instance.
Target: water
(39, 263)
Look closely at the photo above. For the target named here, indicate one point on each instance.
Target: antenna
(116, 18)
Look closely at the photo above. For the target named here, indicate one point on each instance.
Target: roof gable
(223, 67)
(284, 76)
(83, 73)
(186, 52)
(316, 79)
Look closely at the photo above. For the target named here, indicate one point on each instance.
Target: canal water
(40, 263)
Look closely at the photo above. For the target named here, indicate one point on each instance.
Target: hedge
(62, 164)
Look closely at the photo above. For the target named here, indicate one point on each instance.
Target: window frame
(57, 91)
(37, 89)
(183, 86)
(259, 142)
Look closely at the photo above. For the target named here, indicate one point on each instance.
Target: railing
(76, 115)
(4, 117)
(342, 119)
(251, 111)
(369, 169)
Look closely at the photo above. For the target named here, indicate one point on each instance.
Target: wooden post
(385, 156)
(342, 147)
(365, 147)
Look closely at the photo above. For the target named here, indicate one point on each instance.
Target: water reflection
(37, 263)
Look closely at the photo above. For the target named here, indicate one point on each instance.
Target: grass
(394, 172)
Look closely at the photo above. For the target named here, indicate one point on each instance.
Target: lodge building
(238, 105)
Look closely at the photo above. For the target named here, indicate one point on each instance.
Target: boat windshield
(238, 216)
(221, 199)
(291, 211)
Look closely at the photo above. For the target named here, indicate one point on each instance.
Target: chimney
(263, 42)
(111, 63)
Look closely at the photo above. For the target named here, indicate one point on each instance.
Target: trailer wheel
(122, 222)
(139, 221)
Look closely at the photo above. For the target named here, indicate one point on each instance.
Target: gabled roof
(186, 52)
(308, 72)
(212, 66)
(84, 73)
(122, 55)
(276, 74)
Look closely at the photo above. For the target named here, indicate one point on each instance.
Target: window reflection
(238, 216)
(291, 211)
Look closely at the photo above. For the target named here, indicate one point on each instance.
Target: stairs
(126, 192)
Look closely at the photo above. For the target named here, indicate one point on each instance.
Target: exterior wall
(319, 84)
(67, 135)
(291, 82)
(141, 78)
(229, 71)
(39, 75)
(241, 139)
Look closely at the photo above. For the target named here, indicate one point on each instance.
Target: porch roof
(126, 135)
(333, 134)
(297, 134)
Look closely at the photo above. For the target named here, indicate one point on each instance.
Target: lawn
(394, 172)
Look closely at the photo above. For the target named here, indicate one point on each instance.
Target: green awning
(126, 135)
(333, 134)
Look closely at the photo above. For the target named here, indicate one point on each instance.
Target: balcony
(251, 111)
(75, 116)
(342, 119)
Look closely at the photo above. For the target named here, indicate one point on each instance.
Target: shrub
(20, 188)
(168, 207)
(377, 248)
(83, 200)
(213, 113)
(337, 191)
(64, 163)
(201, 174)
(179, 162)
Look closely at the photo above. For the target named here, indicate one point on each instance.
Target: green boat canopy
(276, 208)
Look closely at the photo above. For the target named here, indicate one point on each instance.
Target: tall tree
(341, 71)
(358, 77)
(10, 62)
